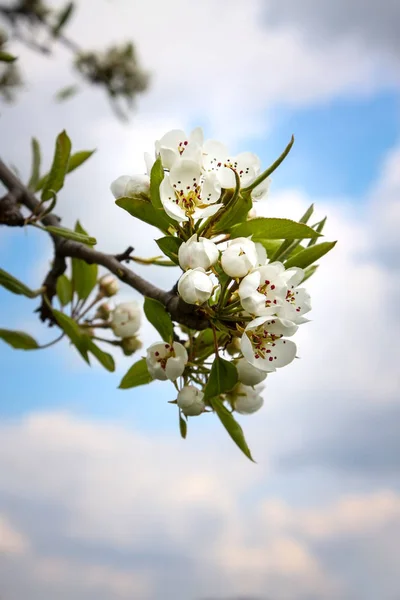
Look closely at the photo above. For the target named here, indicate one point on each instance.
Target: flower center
(266, 288)
(291, 298)
(162, 360)
(182, 146)
(263, 342)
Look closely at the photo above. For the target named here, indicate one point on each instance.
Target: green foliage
(74, 332)
(55, 179)
(84, 276)
(72, 235)
(64, 290)
(137, 375)
(156, 177)
(169, 245)
(36, 160)
(106, 360)
(223, 377)
(272, 229)
(159, 318)
(78, 158)
(18, 339)
(5, 57)
(231, 426)
(67, 92)
(182, 426)
(15, 286)
(63, 17)
(309, 272)
(146, 212)
(309, 255)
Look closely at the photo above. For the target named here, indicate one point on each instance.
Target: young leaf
(55, 179)
(78, 158)
(105, 359)
(309, 272)
(305, 218)
(35, 170)
(309, 255)
(318, 228)
(146, 212)
(182, 426)
(156, 177)
(63, 18)
(6, 57)
(66, 92)
(84, 276)
(231, 426)
(233, 214)
(169, 245)
(223, 377)
(159, 318)
(72, 235)
(272, 229)
(64, 290)
(72, 330)
(18, 339)
(138, 374)
(15, 286)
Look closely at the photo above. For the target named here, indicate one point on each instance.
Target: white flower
(263, 290)
(195, 286)
(126, 319)
(202, 253)
(248, 374)
(166, 361)
(297, 302)
(216, 159)
(240, 257)
(190, 401)
(263, 345)
(176, 143)
(246, 400)
(186, 192)
(108, 285)
(130, 186)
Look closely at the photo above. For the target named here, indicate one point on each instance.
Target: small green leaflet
(36, 160)
(145, 211)
(105, 359)
(15, 286)
(84, 276)
(138, 374)
(309, 255)
(182, 426)
(159, 318)
(170, 245)
(231, 426)
(223, 377)
(156, 177)
(272, 229)
(55, 179)
(6, 57)
(73, 331)
(18, 339)
(77, 159)
(64, 290)
(71, 235)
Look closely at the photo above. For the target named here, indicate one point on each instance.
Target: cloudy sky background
(99, 497)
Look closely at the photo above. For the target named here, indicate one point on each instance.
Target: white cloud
(11, 541)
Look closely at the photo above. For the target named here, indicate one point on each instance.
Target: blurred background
(99, 496)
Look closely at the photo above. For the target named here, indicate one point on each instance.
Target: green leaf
(169, 245)
(223, 377)
(78, 158)
(309, 272)
(64, 290)
(305, 218)
(35, 170)
(105, 359)
(18, 339)
(271, 246)
(5, 57)
(63, 18)
(182, 426)
(318, 228)
(138, 374)
(272, 168)
(72, 330)
(233, 213)
(15, 286)
(159, 318)
(66, 92)
(203, 343)
(71, 235)
(146, 212)
(272, 229)
(156, 177)
(84, 276)
(309, 255)
(55, 179)
(231, 426)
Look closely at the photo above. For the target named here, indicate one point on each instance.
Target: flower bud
(195, 286)
(127, 186)
(233, 347)
(131, 345)
(103, 312)
(246, 400)
(190, 401)
(239, 258)
(108, 285)
(166, 361)
(202, 253)
(248, 374)
(125, 319)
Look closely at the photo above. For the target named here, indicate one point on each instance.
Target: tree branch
(180, 312)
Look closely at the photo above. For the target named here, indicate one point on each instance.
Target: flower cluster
(247, 286)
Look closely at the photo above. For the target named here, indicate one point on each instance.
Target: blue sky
(99, 497)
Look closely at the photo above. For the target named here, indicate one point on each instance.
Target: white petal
(294, 276)
(197, 136)
(174, 368)
(214, 155)
(261, 254)
(211, 189)
(149, 161)
(249, 285)
(168, 199)
(185, 175)
(118, 186)
(204, 213)
(180, 351)
(261, 190)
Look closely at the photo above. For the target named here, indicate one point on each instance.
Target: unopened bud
(131, 345)
(103, 312)
(108, 285)
(233, 347)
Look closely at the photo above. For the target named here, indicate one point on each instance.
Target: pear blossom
(197, 253)
(263, 345)
(130, 186)
(263, 290)
(190, 401)
(216, 160)
(108, 285)
(166, 361)
(240, 257)
(297, 301)
(126, 319)
(246, 400)
(248, 374)
(186, 193)
(176, 143)
(195, 286)
(131, 345)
